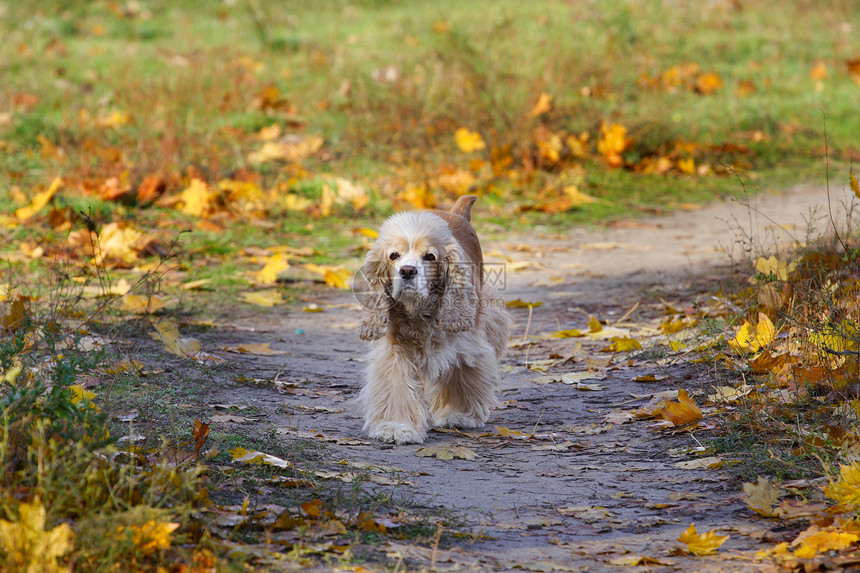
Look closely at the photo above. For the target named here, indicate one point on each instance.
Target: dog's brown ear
(463, 206)
(459, 306)
(372, 288)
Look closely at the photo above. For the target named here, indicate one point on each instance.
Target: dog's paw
(395, 433)
(458, 420)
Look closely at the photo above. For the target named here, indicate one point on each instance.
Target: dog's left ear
(459, 306)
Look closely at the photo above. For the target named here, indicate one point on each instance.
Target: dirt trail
(578, 494)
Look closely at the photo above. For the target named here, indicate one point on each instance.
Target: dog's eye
(429, 257)
(394, 256)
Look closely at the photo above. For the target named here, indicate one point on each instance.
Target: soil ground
(579, 493)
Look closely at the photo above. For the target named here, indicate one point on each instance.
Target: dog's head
(417, 266)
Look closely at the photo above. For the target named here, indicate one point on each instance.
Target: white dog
(437, 332)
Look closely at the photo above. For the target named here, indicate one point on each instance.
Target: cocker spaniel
(437, 333)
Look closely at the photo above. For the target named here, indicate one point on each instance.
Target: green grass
(187, 75)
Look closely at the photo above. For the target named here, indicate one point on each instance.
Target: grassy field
(174, 90)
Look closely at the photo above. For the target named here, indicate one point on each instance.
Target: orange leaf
(682, 412)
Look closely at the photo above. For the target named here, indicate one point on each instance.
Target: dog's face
(415, 269)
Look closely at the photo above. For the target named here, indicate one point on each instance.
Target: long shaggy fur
(436, 333)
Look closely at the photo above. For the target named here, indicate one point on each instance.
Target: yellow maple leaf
(855, 186)
(82, 396)
(39, 200)
(613, 142)
(821, 541)
(846, 490)
(623, 344)
(337, 278)
(750, 339)
(594, 324)
(683, 412)
(28, 546)
(704, 544)
(197, 198)
(167, 333)
(269, 273)
(686, 166)
(263, 298)
(468, 141)
(118, 241)
(774, 266)
(150, 537)
(139, 304)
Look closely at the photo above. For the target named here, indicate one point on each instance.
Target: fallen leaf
(197, 199)
(468, 141)
(446, 452)
(518, 303)
(573, 333)
(704, 544)
(39, 200)
(749, 338)
(761, 496)
(261, 348)
(622, 344)
(200, 432)
(258, 458)
(167, 333)
(682, 412)
(28, 546)
(150, 537)
(821, 541)
(139, 304)
(712, 462)
(508, 433)
(275, 264)
(265, 298)
(638, 560)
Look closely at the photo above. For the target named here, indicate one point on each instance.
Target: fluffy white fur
(437, 335)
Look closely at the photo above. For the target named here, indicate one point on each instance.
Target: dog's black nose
(407, 272)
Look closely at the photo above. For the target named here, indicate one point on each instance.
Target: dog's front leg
(394, 410)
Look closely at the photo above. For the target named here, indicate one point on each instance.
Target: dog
(437, 333)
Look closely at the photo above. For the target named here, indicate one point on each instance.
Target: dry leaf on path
(711, 462)
(701, 544)
(265, 298)
(259, 458)
(761, 496)
(682, 412)
(446, 453)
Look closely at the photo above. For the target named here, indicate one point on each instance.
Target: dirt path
(579, 493)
